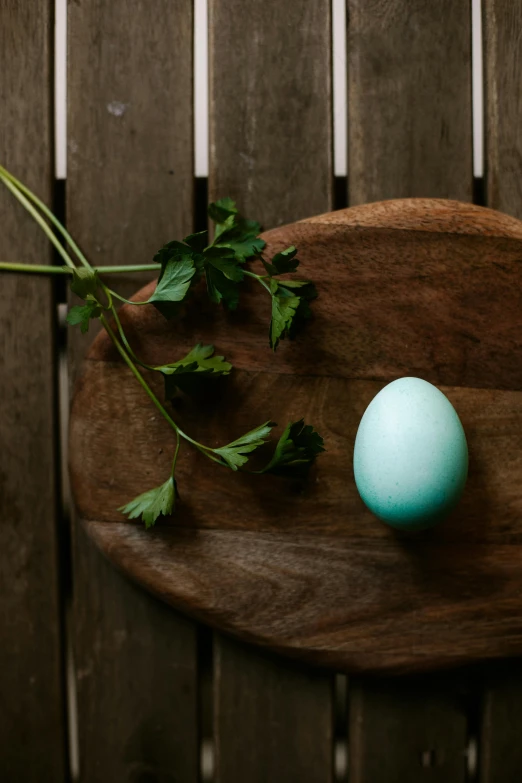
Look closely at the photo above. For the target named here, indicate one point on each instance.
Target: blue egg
(411, 456)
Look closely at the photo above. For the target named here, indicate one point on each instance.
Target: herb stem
(23, 189)
(259, 278)
(39, 219)
(44, 269)
(128, 360)
(40, 269)
(106, 270)
(127, 301)
(178, 442)
(123, 337)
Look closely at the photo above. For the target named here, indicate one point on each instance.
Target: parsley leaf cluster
(222, 266)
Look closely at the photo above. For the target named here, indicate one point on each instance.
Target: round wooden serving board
(428, 288)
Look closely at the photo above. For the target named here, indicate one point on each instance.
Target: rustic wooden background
(98, 681)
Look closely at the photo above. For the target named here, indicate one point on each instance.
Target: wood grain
(282, 706)
(404, 300)
(307, 570)
(501, 756)
(420, 727)
(489, 512)
(129, 190)
(409, 99)
(354, 605)
(32, 720)
(271, 149)
(271, 143)
(503, 105)
(500, 747)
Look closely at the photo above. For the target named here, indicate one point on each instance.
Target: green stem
(41, 269)
(109, 270)
(259, 278)
(127, 301)
(34, 198)
(128, 361)
(44, 269)
(124, 339)
(39, 219)
(178, 441)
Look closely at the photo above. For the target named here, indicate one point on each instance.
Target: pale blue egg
(411, 456)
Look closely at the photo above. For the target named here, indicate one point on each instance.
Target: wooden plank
(500, 747)
(503, 105)
(404, 731)
(32, 722)
(409, 98)
(500, 752)
(271, 150)
(271, 107)
(280, 707)
(409, 134)
(129, 190)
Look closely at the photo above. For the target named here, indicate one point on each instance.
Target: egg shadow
(451, 561)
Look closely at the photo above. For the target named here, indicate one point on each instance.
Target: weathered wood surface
(420, 727)
(129, 190)
(409, 99)
(271, 148)
(271, 131)
(286, 731)
(410, 134)
(503, 105)
(500, 746)
(375, 600)
(32, 720)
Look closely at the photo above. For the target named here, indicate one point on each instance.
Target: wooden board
(409, 99)
(286, 711)
(271, 149)
(501, 726)
(271, 143)
(375, 600)
(129, 190)
(405, 730)
(33, 745)
(409, 134)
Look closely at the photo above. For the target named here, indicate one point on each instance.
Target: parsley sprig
(221, 266)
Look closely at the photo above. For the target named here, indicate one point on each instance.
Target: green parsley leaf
(84, 282)
(80, 315)
(282, 262)
(197, 242)
(223, 273)
(151, 504)
(296, 449)
(289, 310)
(219, 211)
(200, 361)
(234, 453)
(233, 231)
(223, 258)
(284, 308)
(173, 283)
(171, 251)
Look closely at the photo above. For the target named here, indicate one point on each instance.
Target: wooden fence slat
(32, 720)
(500, 746)
(271, 107)
(403, 732)
(271, 150)
(409, 99)
(273, 719)
(129, 190)
(409, 134)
